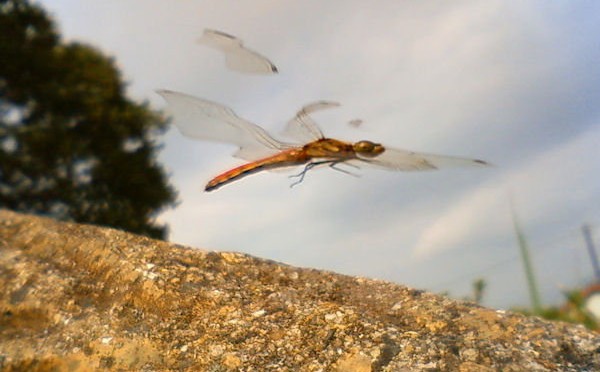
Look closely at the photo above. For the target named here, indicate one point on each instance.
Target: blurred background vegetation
(580, 305)
(573, 310)
(72, 145)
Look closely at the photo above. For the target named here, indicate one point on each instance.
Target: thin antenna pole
(587, 235)
(534, 293)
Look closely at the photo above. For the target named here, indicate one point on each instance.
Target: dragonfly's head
(368, 148)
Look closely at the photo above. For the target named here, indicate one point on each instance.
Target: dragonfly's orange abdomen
(283, 159)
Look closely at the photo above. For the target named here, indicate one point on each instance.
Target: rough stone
(78, 298)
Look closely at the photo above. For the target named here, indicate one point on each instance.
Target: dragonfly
(206, 120)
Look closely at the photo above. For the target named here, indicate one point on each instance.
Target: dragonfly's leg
(307, 167)
(350, 165)
(333, 166)
(301, 175)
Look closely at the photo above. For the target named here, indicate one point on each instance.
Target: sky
(514, 83)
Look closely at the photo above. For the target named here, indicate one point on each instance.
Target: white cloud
(544, 188)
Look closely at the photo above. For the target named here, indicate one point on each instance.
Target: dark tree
(72, 145)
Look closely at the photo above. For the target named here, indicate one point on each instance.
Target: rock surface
(78, 298)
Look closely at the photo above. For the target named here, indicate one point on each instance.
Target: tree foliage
(72, 145)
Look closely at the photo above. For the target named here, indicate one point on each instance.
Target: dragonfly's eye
(364, 146)
(368, 148)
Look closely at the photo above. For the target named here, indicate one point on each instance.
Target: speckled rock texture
(79, 298)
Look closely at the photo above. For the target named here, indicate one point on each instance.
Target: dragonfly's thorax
(328, 148)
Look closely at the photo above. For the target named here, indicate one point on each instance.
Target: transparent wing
(237, 57)
(355, 123)
(302, 127)
(202, 119)
(248, 61)
(403, 160)
(220, 40)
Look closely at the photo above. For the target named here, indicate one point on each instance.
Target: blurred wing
(237, 57)
(219, 40)
(248, 61)
(202, 119)
(402, 160)
(302, 127)
(355, 123)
